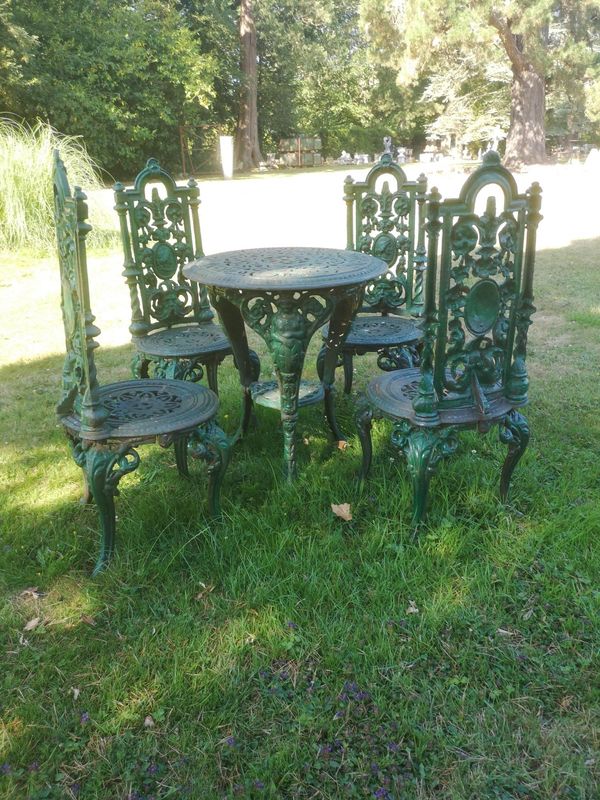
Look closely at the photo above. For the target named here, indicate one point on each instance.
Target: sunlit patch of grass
(590, 317)
(283, 652)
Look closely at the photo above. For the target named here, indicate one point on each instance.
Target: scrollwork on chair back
(476, 323)
(160, 232)
(79, 382)
(385, 215)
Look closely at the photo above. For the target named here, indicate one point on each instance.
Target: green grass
(276, 652)
(26, 203)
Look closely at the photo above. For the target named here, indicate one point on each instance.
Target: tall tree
(16, 49)
(247, 145)
(124, 74)
(523, 28)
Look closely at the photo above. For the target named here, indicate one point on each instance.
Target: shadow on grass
(286, 648)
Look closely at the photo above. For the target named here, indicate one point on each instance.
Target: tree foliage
(548, 45)
(137, 78)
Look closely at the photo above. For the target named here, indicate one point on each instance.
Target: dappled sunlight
(229, 634)
(282, 210)
(67, 603)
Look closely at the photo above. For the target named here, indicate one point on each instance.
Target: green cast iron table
(285, 294)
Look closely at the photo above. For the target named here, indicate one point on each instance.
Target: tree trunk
(247, 147)
(526, 141)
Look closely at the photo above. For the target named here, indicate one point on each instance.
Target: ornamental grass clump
(26, 203)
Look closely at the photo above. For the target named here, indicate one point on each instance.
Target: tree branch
(509, 41)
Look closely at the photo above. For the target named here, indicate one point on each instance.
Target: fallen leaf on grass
(88, 620)
(33, 623)
(412, 607)
(206, 589)
(528, 614)
(75, 692)
(32, 592)
(148, 722)
(342, 511)
(504, 632)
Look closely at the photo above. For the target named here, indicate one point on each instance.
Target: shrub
(26, 203)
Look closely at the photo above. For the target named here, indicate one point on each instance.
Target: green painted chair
(105, 424)
(385, 216)
(172, 323)
(477, 309)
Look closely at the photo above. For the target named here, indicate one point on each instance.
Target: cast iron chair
(478, 308)
(172, 324)
(105, 424)
(388, 223)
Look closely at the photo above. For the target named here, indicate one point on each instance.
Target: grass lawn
(286, 653)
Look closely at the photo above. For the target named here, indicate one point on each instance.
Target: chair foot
(423, 448)
(364, 421)
(104, 467)
(210, 443)
(513, 431)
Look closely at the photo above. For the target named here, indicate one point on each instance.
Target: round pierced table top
(285, 268)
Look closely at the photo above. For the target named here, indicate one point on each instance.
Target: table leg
(233, 324)
(287, 332)
(339, 327)
(289, 387)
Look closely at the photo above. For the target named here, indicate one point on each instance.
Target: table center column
(287, 321)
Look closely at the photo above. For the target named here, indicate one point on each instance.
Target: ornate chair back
(79, 383)
(160, 233)
(478, 295)
(384, 217)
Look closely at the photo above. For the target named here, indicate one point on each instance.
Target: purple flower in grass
(5, 769)
(382, 793)
(33, 767)
(230, 741)
(259, 785)
(84, 718)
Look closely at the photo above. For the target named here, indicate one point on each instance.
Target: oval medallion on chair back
(384, 218)
(160, 231)
(476, 327)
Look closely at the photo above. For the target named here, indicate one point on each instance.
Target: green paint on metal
(385, 216)
(478, 304)
(160, 233)
(105, 424)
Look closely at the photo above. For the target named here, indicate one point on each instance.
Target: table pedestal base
(287, 320)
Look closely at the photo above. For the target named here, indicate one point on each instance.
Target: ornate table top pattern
(285, 269)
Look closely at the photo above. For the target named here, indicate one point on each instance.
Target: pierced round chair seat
(393, 393)
(185, 341)
(144, 409)
(378, 331)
